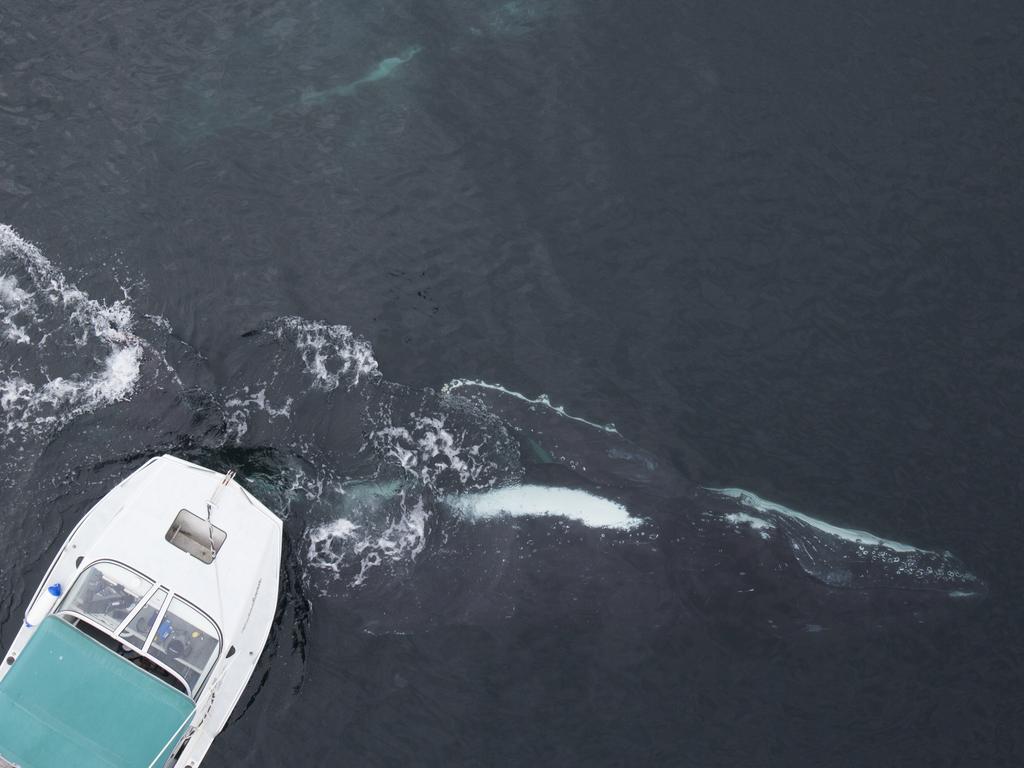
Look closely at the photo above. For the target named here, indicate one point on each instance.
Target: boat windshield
(106, 593)
(187, 642)
(173, 633)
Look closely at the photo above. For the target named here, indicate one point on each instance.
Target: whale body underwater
(724, 553)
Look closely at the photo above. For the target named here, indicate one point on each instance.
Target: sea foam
(333, 355)
(42, 306)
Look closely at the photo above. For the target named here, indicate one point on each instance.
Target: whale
(210, 109)
(448, 483)
(382, 70)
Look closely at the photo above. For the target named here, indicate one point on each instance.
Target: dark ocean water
(779, 246)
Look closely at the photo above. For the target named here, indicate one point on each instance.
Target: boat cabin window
(137, 630)
(187, 642)
(134, 617)
(106, 593)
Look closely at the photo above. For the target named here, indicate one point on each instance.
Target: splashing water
(332, 354)
(67, 330)
(429, 452)
(379, 525)
(244, 403)
(16, 302)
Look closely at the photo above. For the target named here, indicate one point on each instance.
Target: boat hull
(237, 586)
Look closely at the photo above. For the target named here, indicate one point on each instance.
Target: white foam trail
(430, 449)
(757, 503)
(542, 400)
(160, 322)
(14, 301)
(332, 354)
(80, 321)
(10, 293)
(341, 542)
(60, 399)
(341, 529)
(238, 420)
(544, 501)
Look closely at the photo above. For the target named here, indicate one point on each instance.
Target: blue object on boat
(165, 630)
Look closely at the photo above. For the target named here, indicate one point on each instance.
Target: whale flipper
(847, 558)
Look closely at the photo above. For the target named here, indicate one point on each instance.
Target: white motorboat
(147, 627)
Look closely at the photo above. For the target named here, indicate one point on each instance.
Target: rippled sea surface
(483, 297)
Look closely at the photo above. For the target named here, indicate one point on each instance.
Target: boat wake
(65, 354)
(376, 479)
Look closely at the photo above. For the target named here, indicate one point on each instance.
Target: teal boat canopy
(68, 701)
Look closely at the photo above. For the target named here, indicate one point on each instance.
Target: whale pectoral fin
(841, 557)
(858, 563)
